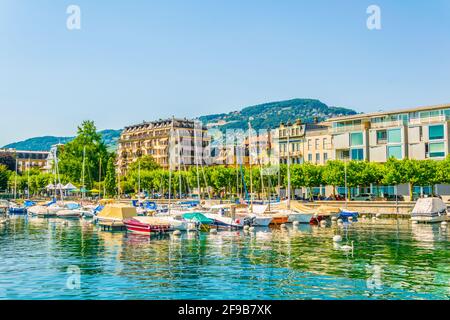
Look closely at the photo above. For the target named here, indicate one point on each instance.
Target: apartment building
(309, 142)
(416, 133)
(27, 159)
(171, 143)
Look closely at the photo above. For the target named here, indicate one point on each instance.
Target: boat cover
(117, 212)
(429, 207)
(197, 216)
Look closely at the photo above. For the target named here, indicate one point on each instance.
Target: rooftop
(390, 112)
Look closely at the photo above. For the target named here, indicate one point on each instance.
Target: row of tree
(85, 161)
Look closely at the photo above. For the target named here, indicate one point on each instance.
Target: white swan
(347, 247)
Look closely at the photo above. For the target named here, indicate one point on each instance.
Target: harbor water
(72, 259)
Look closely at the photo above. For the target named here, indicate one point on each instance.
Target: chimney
(316, 120)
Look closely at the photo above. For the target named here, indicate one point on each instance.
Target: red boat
(146, 225)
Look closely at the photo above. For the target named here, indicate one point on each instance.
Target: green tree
(110, 178)
(147, 163)
(334, 174)
(4, 177)
(89, 143)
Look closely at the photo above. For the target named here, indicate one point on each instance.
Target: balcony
(427, 120)
(343, 129)
(386, 124)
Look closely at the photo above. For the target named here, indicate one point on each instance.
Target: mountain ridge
(265, 116)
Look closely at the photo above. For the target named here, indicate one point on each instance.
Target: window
(436, 150)
(357, 154)
(356, 139)
(310, 157)
(309, 144)
(325, 157)
(436, 132)
(381, 136)
(394, 151)
(394, 136)
(317, 157)
(325, 142)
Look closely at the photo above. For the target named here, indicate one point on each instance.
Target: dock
(112, 225)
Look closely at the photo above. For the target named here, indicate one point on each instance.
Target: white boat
(67, 213)
(300, 217)
(429, 210)
(224, 221)
(178, 223)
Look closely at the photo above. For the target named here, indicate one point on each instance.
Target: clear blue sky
(136, 60)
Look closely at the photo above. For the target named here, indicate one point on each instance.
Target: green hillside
(110, 138)
(267, 115)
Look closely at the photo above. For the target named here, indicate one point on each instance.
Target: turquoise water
(391, 260)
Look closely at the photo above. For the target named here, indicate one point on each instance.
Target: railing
(358, 127)
(440, 118)
(386, 124)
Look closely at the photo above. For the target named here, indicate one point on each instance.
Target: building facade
(309, 142)
(171, 143)
(28, 159)
(417, 133)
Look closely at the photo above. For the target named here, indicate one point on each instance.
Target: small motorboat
(429, 210)
(345, 214)
(15, 209)
(147, 225)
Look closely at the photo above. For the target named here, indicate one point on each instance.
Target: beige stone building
(309, 142)
(170, 142)
(28, 159)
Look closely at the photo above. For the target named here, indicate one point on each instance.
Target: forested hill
(269, 115)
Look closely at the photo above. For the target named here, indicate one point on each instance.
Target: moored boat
(345, 214)
(429, 210)
(146, 225)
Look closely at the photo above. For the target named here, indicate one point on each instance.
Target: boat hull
(430, 219)
(17, 211)
(138, 227)
(300, 217)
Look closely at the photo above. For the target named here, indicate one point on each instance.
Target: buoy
(414, 222)
(363, 217)
(251, 229)
(295, 223)
(213, 231)
(283, 225)
(177, 233)
(339, 221)
(378, 215)
(333, 218)
(337, 238)
(444, 223)
(323, 223)
(246, 227)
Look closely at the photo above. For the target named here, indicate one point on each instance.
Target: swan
(347, 247)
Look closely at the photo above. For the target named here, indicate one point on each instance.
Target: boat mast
(196, 161)
(170, 164)
(15, 182)
(28, 175)
(100, 179)
(139, 176)
(179, 163)
(58, 176)
(82, 174)
(288, 169)
(250, 162)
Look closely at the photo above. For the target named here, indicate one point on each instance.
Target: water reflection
(390, 259)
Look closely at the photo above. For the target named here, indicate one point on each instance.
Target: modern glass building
(418, 133)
